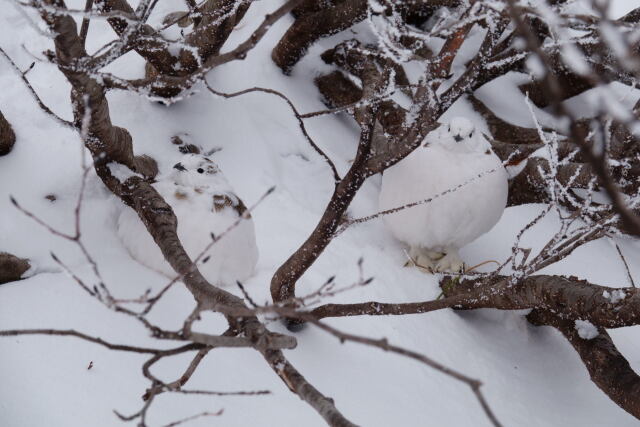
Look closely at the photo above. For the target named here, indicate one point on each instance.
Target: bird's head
(461, 128)
(458, 135)
(194, 170)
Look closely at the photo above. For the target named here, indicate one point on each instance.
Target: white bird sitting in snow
(453, 155)
(204, 203)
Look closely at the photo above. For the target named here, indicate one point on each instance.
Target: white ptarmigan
(204, 203)
(453, 155)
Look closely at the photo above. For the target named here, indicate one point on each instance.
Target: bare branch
(84, 28)
(384, 345)
(72, 333)
(626, 266)
(608, 369)
(33, 92)
(194, 417)
(297, 115)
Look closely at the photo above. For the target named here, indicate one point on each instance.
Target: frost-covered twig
(579, 136)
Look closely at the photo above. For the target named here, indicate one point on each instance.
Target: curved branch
(324, 405)
(384, 345)
(376, 152)
(567, 296)
(607, 367)
(284, 280)
(336, 176)
(310, 27)
(34, 93)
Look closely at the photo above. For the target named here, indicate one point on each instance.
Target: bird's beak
(179, 167)
(458, 138)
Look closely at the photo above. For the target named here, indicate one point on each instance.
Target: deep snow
(532, 377)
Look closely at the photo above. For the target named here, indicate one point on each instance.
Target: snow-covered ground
(532, 376)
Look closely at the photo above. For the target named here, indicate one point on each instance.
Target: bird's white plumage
(452, 155)
(204, 203)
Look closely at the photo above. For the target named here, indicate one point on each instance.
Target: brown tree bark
(144, 41)
(556, 301)
(600, 58)
(12, 268)
(607, 367)
(310, 27)
(210, 33)
(322, 18)
(283, 281)
(568, 297)
(337, 90)
(7, 136)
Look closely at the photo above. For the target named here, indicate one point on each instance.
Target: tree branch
(85, 337)
(607, 367)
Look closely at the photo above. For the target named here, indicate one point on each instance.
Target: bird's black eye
(200, 170)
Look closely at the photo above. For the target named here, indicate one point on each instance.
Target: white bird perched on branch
(458, 161)
(205, 204)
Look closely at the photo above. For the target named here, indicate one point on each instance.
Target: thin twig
(72, 333)
(336, 176)
(367, 218)
(384, 345)
(626, 266)
(84, 29)
(193, 417)
(35, 95)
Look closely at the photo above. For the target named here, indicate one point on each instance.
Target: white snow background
(532, 376)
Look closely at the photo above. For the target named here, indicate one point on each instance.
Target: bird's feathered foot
(450, 262)
(418, 257)
(435, 261)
